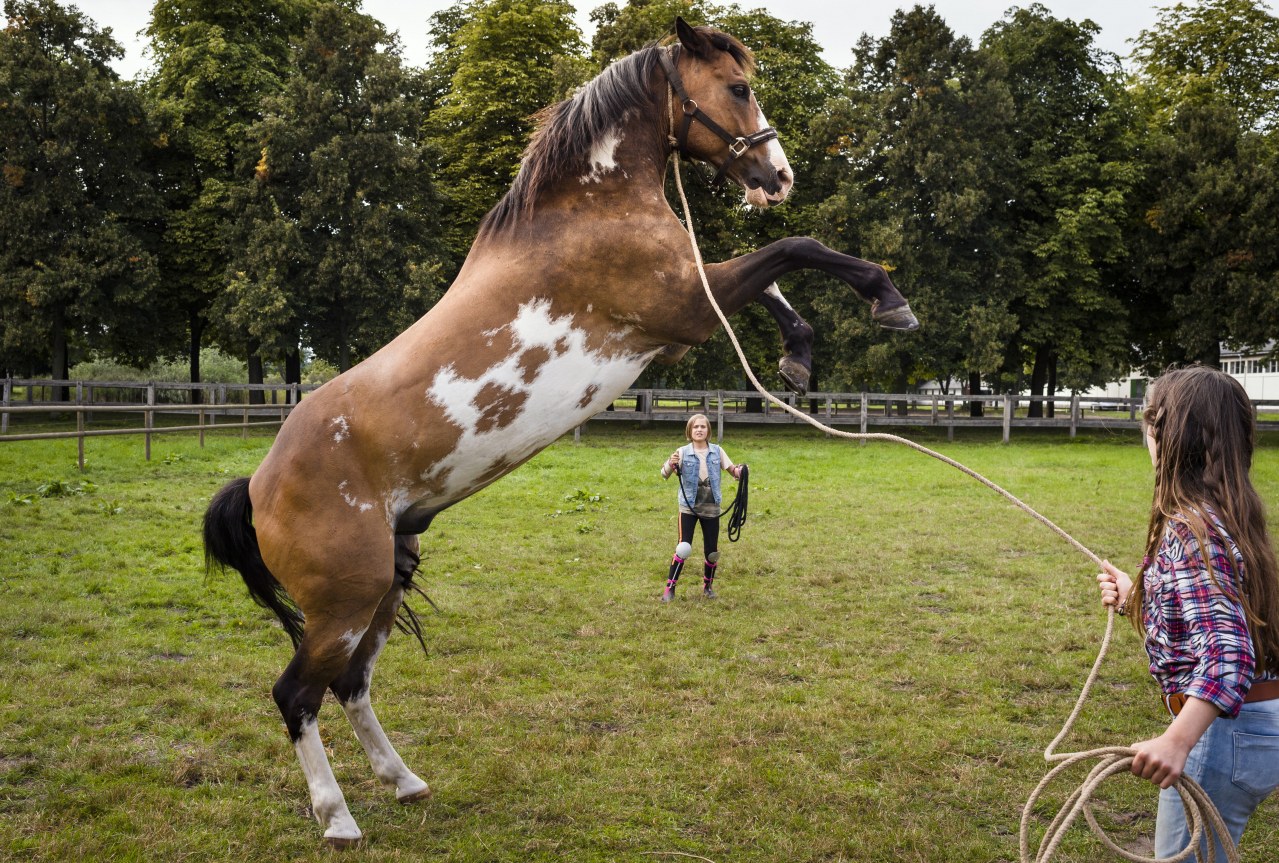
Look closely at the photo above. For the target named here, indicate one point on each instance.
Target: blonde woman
(1207, 603)
(698, 464)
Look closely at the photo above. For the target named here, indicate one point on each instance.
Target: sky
(837, 24)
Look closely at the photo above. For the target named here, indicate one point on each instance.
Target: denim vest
(688, 470)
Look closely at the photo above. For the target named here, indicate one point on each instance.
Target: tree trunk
(975, 408)
(1052, 383)
(58, 357)
(292, 371)
(195, 326)
(256, 397)
(1038, 375)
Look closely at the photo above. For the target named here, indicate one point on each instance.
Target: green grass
(893, 648)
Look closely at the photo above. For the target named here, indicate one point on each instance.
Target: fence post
(863, 415)
(950, 421)
(79, 424)
(201, 423)
(719, 416)
(151, 402)
(8, 394)
(1074, 413)
(1010, 404)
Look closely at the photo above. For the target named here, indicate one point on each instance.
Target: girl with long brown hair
(1207, 604)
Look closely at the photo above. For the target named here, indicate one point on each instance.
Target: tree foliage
(334, 239)
(1072, 172)
(1216, 51)
(74, 269)
(215, 61)
(279, 183)
(922, 134)
(506, 60)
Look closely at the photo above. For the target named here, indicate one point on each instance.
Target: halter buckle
(690, 107)
(738, 147)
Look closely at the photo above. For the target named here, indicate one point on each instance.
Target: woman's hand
(1161, 760)
(1114, 585)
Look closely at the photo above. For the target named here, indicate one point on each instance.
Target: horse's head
(717, 119)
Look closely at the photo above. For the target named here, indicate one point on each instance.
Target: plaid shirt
(1196, 632)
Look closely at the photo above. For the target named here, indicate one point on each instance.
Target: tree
(920, 139)
(1223, 51)
(507, 59)
(215, 61)
(73, 266)
(1072, 172)
(335, 241)
(1206, 268)
(1206, 262)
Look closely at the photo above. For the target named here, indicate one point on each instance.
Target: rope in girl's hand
(1201, 813)
(737, 509)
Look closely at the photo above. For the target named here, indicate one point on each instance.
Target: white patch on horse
(572, 383)
(387, 764)
(776, 293)
(777, 158)
(343, 428)
(351, 640)
(327, 802)
(603, 159)
(396, 501)
(351, 500)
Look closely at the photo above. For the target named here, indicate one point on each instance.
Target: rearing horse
(579, 278)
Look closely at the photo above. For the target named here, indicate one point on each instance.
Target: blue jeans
(1237, 763)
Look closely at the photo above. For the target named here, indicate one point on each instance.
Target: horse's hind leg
(352, 686)
(338, 613)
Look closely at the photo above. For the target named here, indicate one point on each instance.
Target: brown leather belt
(1262, 690)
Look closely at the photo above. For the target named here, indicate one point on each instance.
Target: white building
(1259, 376)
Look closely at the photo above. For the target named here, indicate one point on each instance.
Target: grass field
(893, 648)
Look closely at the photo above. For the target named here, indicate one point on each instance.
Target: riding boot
(677, 566)
(708, 580)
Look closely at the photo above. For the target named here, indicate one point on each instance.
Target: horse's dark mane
(567, 130)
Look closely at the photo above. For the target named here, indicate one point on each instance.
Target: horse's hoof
(415, 797)
(341, 843)
(896, 318)
(794, 374)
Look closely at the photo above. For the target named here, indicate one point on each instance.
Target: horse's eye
(741, 91)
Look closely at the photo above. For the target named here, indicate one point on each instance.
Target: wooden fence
(232, 407)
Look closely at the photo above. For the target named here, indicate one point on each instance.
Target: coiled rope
(1201, 814)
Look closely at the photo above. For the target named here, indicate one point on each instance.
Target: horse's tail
(230, 540)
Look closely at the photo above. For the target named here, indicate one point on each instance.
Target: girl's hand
(674, 460)
(1114, 585)
(1160, 760)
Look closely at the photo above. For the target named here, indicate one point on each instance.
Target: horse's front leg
(742, 280)
(796, 366)
(754, 277)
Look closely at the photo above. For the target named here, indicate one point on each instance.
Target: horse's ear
(696, 44)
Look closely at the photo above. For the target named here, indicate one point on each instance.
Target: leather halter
(737, 145)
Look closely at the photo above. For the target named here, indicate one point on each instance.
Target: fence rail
(228, 407)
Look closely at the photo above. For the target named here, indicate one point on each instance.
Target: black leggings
(710, 531)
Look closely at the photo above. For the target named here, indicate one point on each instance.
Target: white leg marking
(387, 764)
(776, 293)
(327, 801)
